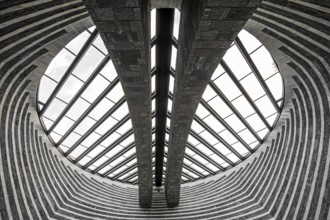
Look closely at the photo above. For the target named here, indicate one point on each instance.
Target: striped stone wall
(287, 178)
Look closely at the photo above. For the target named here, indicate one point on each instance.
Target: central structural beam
(164, 33)
(207, 28)
(124, 27)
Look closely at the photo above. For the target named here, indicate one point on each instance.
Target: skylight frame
(190, 173)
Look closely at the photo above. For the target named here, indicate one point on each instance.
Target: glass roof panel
(106, 125)
(95, 89)
(236, 62)
(205, 150)
(255, 122)
(201, 111)
(227, 87)
(271, 119)
(55, 109)
(109, 71)
(213, 123)
(96, 151)
(176, 25)
(264, 62)
(228, 137)
(275, 85)
(71, 139)
(47, 86)
(84, 125)
(208, 94)
(76, 44)
(59, 65)
(63, 126)
(77, 109)
(196, 127)
(103, 107)
(69, 89)
(47, 122)
(173, 57)
(88, 63)
(220, 107)
(218, 72)
(100, 45)
(153, 57)
(192, 140)
(235, 123)
(208, 137)
(243, 106)
(265, 106)
(252, 87)
(116, 93)
(247, 136)
(55, 137)
(250, 42)
(153, 23)
(171, 86)
(90, 139)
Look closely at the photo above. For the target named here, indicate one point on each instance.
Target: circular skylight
(83, 109)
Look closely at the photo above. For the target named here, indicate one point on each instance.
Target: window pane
(176, 23)
(54, 109)
(109, 71)
(235, 123)
(201, 111)
(88, 63)
(218, 71)
(209, 138)
(227, 87)
(236, 62)
(213, 123)
(59, 65)
(220, 107)
(153, 57)
(98, 42)
(77, 43)
(196, 127)
(240, 148)
(104, 106)
(173, 58)
(46, 88)
(69, 89)
(247, 136)
(84, 126)
(255, 122)
(63, 126)
(106, 125)
(228, 137)
(252, 87)
(208, 94)
(71, 139)
(250, 42)
(95, 89)
(264, 62)
(243, 106)
(116, 93)
(275, 85)
(265, 106)
(77, 109)
(153, 23)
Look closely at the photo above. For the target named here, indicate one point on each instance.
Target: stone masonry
(206, 31)
(125, 29)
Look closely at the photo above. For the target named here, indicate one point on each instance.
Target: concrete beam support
(207, 29)
(125, 29)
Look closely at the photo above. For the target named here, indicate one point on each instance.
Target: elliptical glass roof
(83, 109)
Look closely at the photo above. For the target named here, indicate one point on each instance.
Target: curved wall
(287, 178)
